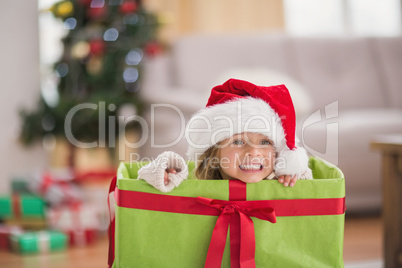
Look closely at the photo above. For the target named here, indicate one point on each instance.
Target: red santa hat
(238, 106)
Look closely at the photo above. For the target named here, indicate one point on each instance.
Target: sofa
(346, 91)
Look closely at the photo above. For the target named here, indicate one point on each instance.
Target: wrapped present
(227, 223)
(5, 233)
(82, 237)
(56, 187)
(79, 221)
(20, 186)
(94, 185)
(95, 196)
(18, 206)
(38, 242)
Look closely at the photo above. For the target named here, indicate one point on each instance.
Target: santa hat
(238, 106)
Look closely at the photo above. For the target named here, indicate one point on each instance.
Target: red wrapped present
(5, 233)
(82, 237)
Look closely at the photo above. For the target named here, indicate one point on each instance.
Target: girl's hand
(166, 177)
(166, 172)
(287, 180)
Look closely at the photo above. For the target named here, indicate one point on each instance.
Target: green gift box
(299, 226)
(38, 242)
(21, 206)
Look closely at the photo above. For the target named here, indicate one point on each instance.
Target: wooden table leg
(392, 209)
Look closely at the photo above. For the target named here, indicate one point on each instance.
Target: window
(336, 17)
(51, 31)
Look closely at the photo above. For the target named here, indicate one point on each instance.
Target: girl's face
(248, 157)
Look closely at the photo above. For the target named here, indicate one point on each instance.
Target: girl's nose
(253, 151)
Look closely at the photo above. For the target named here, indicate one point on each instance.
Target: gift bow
(48, 181)
(237, 214)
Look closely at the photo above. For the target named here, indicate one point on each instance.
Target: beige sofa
(346, 91)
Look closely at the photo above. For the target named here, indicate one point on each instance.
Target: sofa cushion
(342, 68)
(389, 60)
(350, 149)
(356, 129)
(199, 59)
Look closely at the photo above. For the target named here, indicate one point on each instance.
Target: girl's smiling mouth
(251, 167)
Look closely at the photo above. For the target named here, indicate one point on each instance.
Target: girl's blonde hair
(208, 165)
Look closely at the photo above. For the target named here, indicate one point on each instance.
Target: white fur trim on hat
(219, 122)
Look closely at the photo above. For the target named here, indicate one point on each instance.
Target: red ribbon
(237, 192)
(94, 175)
(190, 205)
(48, 181)
(110, 259)
(228, 209)
(16, 205)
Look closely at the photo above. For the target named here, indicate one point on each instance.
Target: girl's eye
(265, 142)
(238, 142)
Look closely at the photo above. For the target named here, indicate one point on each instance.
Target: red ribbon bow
(236, 214)
(48, 181)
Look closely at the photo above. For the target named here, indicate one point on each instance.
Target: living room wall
(19, 69)
(181, 17)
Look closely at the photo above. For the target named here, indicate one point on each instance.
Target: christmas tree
(101, 66)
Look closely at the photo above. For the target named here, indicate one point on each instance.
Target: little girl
(246, 132)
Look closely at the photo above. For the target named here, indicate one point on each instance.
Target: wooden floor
(363, 239)
(363, 242)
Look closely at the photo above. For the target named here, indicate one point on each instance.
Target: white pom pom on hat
(238, 106)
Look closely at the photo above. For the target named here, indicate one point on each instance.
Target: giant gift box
(221, 223)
